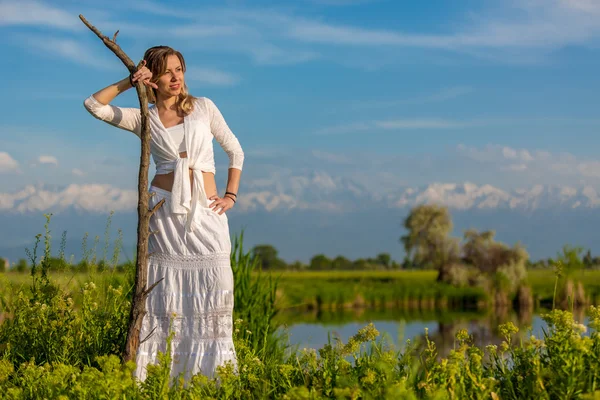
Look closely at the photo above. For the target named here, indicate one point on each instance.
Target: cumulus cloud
(539, 163)
(92, 198)
(7, 163)
(48, 160)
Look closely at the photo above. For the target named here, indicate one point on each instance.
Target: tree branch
(138, 304)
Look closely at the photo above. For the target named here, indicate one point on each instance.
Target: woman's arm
(229, 143)
(124, 118)
(129, 119)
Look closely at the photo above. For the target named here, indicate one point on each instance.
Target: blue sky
(387, 92)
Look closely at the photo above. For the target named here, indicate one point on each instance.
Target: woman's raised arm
(129, 119)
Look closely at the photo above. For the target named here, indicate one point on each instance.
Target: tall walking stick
(140, 291)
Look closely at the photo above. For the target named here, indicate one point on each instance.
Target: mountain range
(304, 215)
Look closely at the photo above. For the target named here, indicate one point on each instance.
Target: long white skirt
(197, 289)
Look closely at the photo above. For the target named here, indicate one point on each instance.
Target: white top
(200, 126)
(177, 135)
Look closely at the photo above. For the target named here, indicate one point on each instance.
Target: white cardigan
(200, 126)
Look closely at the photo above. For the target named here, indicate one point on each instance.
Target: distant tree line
(269, 260)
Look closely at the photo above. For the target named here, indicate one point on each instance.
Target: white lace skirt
(197, 290)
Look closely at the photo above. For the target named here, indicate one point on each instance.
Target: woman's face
(171, 82)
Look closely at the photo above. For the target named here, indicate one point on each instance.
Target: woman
(190, 247)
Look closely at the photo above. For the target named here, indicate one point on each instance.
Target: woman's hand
(143, 74)
(224, 203)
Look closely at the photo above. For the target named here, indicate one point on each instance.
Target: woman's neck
(166, 103)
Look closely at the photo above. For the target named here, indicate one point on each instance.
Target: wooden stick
(140, 293)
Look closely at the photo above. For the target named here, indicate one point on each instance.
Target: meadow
(64, 332)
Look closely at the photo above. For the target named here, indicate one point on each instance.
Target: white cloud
(211, 76)
(92, 198)
(540, 164)
(7, 163)
(347, 128)
(545, 24)
(515, 167)
(395, 124)
(48, 160)
(511, 31)
(77, 172)
(509, 153)
(589, 169)
(35, 13)
(69, 49)
(441, 95)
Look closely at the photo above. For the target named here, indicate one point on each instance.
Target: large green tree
(427, 242)
(267, 255)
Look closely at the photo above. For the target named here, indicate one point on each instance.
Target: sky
(387, 93)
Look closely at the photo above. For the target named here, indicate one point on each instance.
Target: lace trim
(177, 355)
(206, 326)
(192, 261)
(191, 354)
(190, 294)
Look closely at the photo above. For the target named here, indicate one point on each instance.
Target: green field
(328, 290)
(406, 289)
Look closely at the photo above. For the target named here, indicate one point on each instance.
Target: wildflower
(492, 349)
(462, 335)
(369, 377)
(508, 329)
(580, 328)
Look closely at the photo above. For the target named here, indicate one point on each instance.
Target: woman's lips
(174, 86)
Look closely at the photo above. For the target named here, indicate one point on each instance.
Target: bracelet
(130, 81)
(231, 193)
(229, 197)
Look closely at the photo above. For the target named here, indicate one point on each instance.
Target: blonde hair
(156, 62)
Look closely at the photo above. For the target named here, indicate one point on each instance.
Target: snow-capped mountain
(314, 191)
(304, 215)
(470, 196)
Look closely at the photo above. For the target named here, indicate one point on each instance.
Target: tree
(384, 259)
(341, 263)
(141, 288)
(21, 265)
(426, 242)
(320, 262)
(267, 255)
(503, 267)
(588, 260)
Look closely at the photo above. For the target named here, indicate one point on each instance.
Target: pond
(312, 330)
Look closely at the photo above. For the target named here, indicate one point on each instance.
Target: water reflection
(311, 330)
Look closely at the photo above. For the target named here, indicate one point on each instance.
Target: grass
(53, 348)
(328, 290)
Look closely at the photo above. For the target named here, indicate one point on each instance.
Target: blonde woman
(191, 249)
